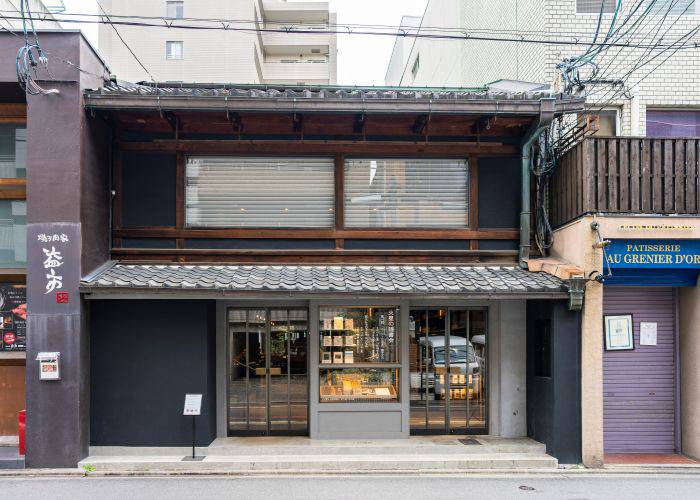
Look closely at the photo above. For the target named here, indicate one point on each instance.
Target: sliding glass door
(268, 371)
(447, 355)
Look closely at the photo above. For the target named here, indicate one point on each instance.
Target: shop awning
(485, 281)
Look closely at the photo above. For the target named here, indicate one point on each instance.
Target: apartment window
(431, 193)
(174, 10)
(673, 123)
(13, 205)
(593, 6)
(173, 50)
(675, 7)
(416, 66)
(260, 192)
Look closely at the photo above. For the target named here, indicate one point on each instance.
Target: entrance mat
(469, 441)
(648, 459)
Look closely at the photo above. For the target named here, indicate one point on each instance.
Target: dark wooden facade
(627, 175)
(151, 139)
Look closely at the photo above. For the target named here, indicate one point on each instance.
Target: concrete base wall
(689, 312)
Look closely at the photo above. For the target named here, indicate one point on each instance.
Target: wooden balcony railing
(627, 175)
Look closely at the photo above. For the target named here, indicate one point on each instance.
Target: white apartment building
(239, 54)
(10, 11)
(664, 103)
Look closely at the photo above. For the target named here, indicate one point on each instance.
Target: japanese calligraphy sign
(13, 317)
(53, 267)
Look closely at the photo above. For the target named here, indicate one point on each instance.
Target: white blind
(259, 192)
(593, 6)
(406, 193)
(674, 8)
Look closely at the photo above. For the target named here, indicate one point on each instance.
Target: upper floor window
(13, 151)
(174, 10)
(13, 207)
(673, 123)
(416, 66)
(260, 192)
(593, 6)
(173, 50)
(675, 7)
(402, 192)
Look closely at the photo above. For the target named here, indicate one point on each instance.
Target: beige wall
(689, 299)
(574, 243)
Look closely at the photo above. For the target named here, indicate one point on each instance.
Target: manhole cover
(469, 441)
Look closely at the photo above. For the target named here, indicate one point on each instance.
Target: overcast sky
(362, 60)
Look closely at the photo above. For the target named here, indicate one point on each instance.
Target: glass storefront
(447, 362)
(358, 357)
(268, 371)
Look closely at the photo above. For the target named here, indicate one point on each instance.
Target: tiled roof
(316, 92)
(326, 279)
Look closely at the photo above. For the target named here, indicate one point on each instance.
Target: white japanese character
(64, 238)
(42, 237)
(53, 258)
(54, 282)
(55, 237)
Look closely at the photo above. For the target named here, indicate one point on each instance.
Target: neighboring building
(11, 8)
(401, 51)
(222, 56)
(666, 104)
(640, 337)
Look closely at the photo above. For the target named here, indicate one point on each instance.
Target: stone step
(327, 448)
(324, 463)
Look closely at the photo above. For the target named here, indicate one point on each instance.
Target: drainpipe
(547, 106)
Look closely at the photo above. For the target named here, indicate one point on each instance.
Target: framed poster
(619, 334)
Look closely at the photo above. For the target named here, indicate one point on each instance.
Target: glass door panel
(447, 361)
(298, 370)
(478, 327)
(238, 375)
(268, 383)
(257, 370)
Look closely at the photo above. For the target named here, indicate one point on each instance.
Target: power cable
(124, 41)
(406, 33)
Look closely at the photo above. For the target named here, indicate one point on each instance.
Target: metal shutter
(639, 386)
(406, 193)
(260, 192)
(593, 6)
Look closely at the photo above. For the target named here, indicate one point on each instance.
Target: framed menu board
(13, 317)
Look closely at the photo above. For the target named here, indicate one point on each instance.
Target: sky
(362, 60)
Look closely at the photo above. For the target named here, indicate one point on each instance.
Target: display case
(365, 385)
(358, 354)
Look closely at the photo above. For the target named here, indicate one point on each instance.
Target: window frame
(175, 4)
(471, 187)
(169, 44)
(14, 188)
(594, 13)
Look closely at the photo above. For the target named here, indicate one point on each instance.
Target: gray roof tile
(332, 279)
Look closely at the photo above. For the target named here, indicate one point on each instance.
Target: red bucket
(22, 426)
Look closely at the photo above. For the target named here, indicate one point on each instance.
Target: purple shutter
(639, 386)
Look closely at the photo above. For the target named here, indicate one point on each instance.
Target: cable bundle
(30, 56)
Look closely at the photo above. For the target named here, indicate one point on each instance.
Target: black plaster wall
(145, 355)
(554, 402)
(499, 192)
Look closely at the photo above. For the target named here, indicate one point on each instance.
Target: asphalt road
(477, 487)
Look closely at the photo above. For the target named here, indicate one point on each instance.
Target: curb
(564, 472)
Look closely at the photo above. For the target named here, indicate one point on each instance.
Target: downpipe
(547, 106)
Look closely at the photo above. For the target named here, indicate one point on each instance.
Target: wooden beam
(302, 253)
(394, 234)
(273, 147)
(13, 194)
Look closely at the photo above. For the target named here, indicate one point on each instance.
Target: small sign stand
(193, 406)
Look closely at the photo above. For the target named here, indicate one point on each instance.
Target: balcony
(627, 175)
(296, 43)
(295, 71)
(295, 12)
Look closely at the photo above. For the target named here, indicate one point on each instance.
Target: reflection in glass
(447, 370)
(268, 370)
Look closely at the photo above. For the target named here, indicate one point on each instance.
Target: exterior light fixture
(577, 288)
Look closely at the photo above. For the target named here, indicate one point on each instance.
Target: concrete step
(10, 459)
(324, 463)
(226, 448)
